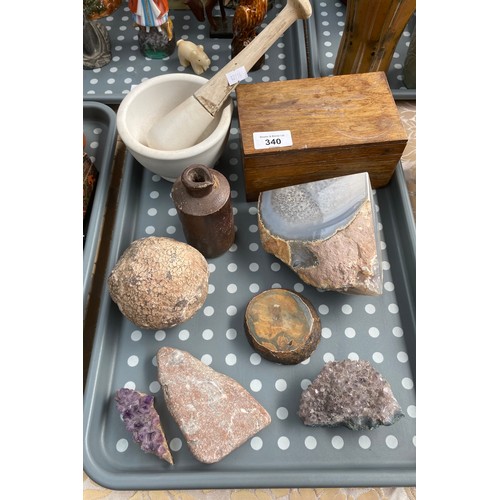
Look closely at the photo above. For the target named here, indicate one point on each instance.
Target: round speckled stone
(159, 282)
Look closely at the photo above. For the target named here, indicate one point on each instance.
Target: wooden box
(339, 125)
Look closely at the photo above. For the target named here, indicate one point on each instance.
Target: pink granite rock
(214, 412)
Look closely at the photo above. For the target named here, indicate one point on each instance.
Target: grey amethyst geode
(326, 231)
(350, 394)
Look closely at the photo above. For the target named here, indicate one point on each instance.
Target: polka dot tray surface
(286, 453)
(99, 127)
(325, 29)
(286, 59)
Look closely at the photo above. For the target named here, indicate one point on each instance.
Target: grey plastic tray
(99, 126)
(287, 453)
(324, 31)
(285, 60)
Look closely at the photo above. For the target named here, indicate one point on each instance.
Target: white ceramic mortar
(146, 103)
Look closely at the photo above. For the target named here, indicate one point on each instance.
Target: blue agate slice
(326, 231)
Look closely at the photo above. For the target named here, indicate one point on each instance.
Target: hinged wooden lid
(332, 111)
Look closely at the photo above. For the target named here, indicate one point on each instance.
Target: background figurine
(189, 53)
(156, 30)
(233, 4)
(96, 9)
(96, 42)
(220, 26)
(248, 16)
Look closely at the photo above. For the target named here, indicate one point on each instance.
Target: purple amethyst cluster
(142, 420)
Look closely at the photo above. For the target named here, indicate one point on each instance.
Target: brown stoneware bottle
(202, 197)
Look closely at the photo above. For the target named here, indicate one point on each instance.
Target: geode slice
(282, 326)
(141, 419)
(326, 231)
(215, 413)
(351, 394)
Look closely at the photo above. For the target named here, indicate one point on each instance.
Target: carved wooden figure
(371, 33)
(203, 9)
(248, 16)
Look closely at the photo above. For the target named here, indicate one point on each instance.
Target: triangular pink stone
(214, 412)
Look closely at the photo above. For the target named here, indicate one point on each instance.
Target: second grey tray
(99, 126)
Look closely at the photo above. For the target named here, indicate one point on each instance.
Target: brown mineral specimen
(349, 393)
(282, 326)
(326, 232)
(215, 413)
(159, 282)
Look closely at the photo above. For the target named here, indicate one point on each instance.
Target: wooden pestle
(183, 126)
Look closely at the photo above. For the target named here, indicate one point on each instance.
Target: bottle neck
(198, 180)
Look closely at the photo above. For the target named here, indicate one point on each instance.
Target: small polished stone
(282, 326)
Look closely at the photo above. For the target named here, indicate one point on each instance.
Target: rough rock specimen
(159, 282)
(326, 231)
(142, 420)
(214, 412)
(282, 326)
(350, 394)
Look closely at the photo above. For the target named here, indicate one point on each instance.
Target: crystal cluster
(351, 394)
(142, 420)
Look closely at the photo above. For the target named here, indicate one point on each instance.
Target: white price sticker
(275, 139)
(237, 75)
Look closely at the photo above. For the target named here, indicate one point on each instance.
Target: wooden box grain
(339, 125)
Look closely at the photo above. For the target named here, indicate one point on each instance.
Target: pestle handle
(213, 93)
